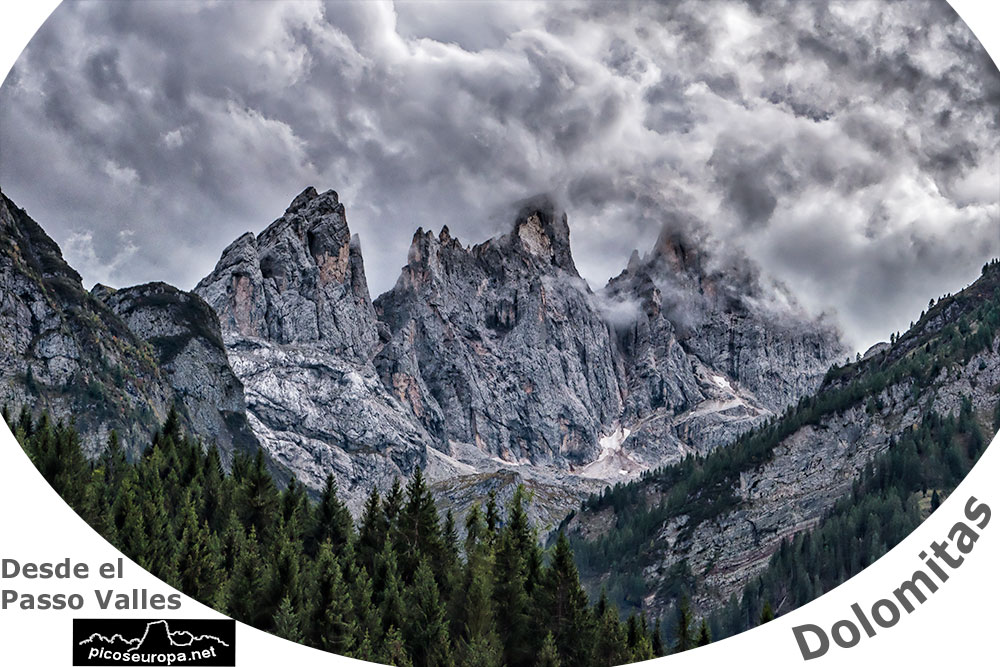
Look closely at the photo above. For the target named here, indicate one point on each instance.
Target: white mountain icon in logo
(156, 638)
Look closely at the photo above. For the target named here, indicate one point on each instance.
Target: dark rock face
(64, 351)
(111, 359)
(501, 345)
(185, 335)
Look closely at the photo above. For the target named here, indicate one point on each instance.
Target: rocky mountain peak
(301, 280)
(541, 229)
(676, 251)
(498, 347)
(725, 312)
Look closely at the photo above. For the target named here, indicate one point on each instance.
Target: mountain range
(485, 362)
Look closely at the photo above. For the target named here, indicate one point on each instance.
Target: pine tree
(286, 622)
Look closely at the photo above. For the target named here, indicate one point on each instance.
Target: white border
(955, 626)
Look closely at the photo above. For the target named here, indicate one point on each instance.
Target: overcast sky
(852, 149)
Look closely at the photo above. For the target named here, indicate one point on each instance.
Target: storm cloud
(851, 148)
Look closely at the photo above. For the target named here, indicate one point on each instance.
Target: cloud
(99, 267)
(844, 145)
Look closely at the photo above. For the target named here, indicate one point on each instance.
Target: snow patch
(613, 460)
(722, 382)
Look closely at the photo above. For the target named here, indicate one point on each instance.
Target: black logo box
(132, 641)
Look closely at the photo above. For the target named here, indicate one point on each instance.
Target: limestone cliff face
(63, 351)
(491, 359)
(300, 332)
(495, 358)
(187, 342)
(501, 345)
(301, 281)
(709, 349)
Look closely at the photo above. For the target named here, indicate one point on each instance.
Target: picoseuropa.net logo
(154, 642)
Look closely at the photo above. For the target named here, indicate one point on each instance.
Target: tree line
(397, 587)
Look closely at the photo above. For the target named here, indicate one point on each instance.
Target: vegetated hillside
(110, 359)
(184, 334)
(895, 493)
(707, 526)
(63, 350)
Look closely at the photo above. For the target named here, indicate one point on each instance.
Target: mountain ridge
(528, 375)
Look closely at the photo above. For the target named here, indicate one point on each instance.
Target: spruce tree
(199, 559)
(474, 617)
(332, 522)
(159, 554)
(372, 533)
(249, 577)
(564, 605)
(611, 647)
(394, 649)
(659, 649)
(426, 627)
(513, 605)
(419, 532)
(257, 498)
(392, 607)
(766, 614)
(332, 625)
